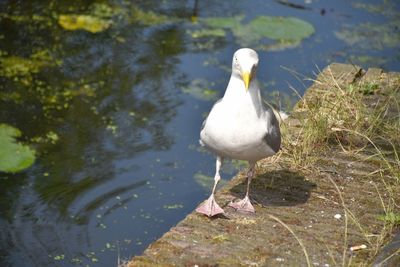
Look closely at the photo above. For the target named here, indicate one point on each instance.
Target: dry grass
(350, 117)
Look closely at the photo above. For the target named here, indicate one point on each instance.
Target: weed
(362, 119)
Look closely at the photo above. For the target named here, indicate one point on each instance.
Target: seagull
(239, 126)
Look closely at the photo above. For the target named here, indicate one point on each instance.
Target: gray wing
(272, 137)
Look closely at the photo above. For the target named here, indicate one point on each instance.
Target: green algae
(102, 10)
(386, 8)
(50, 137)
(14, 156)
(84, 90)
(15, 66)
(12, 66)
(25, 18)
(370, 35)
(101, 17)
(173, 206)
(21, 69)
(367, 60)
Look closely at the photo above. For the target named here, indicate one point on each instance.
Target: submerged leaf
(199, 89)
(206, 181)
(207, 33)
(148, 18)
(367, 60)
(173, 206)
(223, 22)
(386, 8)
(14, 156)
(89, 23)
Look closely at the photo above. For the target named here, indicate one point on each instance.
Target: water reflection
(109, 101)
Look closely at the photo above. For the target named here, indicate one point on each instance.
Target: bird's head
(244, 65)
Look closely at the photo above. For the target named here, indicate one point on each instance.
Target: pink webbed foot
(243, 205)
(210, 207)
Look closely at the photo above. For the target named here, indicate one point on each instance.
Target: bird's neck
(236, 90)
(237, 94)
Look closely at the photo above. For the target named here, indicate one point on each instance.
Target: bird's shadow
(276, 188)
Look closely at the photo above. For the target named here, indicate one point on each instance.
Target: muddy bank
(331, 207)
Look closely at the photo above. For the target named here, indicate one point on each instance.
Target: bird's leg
(210, 206)
(245, 204)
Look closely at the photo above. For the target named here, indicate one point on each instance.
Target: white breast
(236, 129)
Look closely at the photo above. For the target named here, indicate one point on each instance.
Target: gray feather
(273, 137)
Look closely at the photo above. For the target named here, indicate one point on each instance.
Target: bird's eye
(236, 62)
(253, 69)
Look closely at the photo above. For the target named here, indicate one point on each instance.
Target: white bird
(240, 126)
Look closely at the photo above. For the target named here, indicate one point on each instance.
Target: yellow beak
(246, 79)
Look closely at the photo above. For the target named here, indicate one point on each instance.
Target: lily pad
(285, 32)
(14, 156)
(275, 28)
(89, 23)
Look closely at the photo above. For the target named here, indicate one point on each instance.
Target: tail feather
(279, 114)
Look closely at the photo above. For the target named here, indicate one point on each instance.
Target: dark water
(121, 170)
